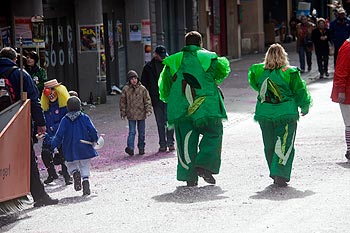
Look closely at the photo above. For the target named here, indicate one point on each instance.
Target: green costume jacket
(188, 83)
(281, 92)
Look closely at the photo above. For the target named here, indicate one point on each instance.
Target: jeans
(141, 125)
(302, 52)
(82, 165)
(160, 113)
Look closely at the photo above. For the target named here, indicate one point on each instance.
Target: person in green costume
(189, 83)
(281, 91)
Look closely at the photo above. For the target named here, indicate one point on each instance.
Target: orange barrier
(15, 151)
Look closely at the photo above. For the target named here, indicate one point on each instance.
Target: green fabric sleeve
(254, 72)
(223, 69)
(165, 83)
(302, 95)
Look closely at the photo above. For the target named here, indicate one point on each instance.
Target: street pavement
(141, 193)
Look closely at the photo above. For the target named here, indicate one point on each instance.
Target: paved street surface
(141, 193)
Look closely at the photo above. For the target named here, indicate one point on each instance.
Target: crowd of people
(182, 90)
(321, 36)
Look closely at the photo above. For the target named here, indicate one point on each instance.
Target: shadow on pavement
(184, 194)
(128, 161)
(344, 164)
(9, 219)
(75, 199)
(275, 193)
(12, 218)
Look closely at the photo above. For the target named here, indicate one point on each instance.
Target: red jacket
(341, 81)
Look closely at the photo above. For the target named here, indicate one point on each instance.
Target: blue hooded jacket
(75, 126)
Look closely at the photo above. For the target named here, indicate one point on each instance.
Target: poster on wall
(148, 49)
(135, 32)
(88, 38)
(145, 28)
(5, 40)
(303, 9)
(111, 40)
(102, 68)
(146, 39)
(101, 38)
(23, 30)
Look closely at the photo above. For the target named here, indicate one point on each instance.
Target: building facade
(90, 45)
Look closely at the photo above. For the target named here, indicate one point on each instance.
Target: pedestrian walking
(54, 101)
(135, 105)
(188, 83)
(304, 43)
(341, 89)
(320, 37)
(76, 126)
(339, 31)
(280, 92)
(149, 78)
(8, 59)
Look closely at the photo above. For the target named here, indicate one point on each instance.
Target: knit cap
(73, 104)
(131, 74)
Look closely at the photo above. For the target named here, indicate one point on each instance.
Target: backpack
(7, 93)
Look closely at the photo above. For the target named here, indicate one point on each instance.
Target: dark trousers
(36, 186)
(166, 136)
(304, 51)
(322, 63)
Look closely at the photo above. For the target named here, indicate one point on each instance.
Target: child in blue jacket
(74, 127)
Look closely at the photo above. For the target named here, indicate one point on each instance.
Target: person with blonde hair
(281, 91)
(54, 103)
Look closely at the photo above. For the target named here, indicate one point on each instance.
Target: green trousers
(207, 155)
(279, 147)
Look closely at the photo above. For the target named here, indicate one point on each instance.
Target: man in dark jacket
(339, 31)
(8, 57)
(149, 79)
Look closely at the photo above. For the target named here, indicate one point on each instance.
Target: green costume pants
(209, 154)
(279, 147)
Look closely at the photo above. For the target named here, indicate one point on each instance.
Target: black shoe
(347, 155)
(46, 200)
(327, 74)
(281, 182)
(192, 183)
(141, 151)
(50, 179)
(68, 180)
(77, 180)
(171, 148)
(321, 76)
(206, 175)
(162, 149)
(129, 151)
(86, 188)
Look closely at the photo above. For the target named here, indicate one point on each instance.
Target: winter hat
(131, 74)
(161, 51)
(73, 104)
